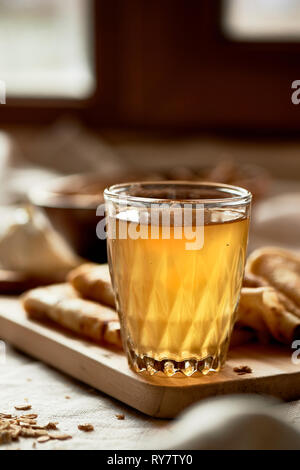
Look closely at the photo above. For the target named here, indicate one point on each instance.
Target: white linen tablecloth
(23, 379)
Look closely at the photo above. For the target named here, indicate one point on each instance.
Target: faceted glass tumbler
(176, 253)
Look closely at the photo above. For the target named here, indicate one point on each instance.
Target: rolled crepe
(92, 281)
(267, 312)
(270, 298)
(278, 268)
(62, 304)
(112, 334)
(250, 280)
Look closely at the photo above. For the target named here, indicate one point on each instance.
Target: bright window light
(262, 20)
(46, 48)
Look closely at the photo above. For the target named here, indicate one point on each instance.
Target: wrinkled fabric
(225, 422)
(23, 378)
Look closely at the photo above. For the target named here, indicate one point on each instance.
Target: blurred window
(262, 20)
(46, 48)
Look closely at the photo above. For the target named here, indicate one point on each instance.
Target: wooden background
(167, 65)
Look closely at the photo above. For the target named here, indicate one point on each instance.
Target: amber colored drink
(177, 306)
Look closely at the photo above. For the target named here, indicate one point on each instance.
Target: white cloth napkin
(233, 423)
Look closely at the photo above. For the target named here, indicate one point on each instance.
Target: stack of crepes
(269, 304)
(270, 297)
(85, 304)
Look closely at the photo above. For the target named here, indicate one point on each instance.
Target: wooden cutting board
(159, 396)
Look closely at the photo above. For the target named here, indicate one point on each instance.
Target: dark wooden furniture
(168, 65)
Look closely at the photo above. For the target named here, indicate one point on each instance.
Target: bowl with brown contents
(71, 202)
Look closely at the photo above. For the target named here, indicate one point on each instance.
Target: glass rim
(240, 196)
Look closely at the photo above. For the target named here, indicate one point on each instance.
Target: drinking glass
(176, 253)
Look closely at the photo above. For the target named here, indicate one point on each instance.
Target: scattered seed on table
(43, 439)
(120, 416)
(87, 427)
(24, 407)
